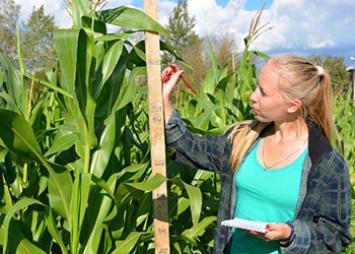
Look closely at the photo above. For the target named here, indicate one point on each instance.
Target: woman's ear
(293, 106)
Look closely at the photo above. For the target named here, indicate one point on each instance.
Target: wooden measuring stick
(157, 138)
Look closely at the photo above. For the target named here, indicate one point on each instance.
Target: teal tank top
(266, 196)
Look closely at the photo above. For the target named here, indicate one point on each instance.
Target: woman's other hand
(278, 231)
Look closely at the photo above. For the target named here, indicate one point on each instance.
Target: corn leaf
(130, 18)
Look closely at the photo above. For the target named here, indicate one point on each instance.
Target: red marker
(183, 79)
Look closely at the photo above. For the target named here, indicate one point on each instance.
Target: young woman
(279, 168)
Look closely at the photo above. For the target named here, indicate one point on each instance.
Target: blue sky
(298, 26)
(250, 4)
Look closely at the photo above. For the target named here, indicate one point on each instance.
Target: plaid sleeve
(203, 152)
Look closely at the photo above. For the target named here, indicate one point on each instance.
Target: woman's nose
(253, 96)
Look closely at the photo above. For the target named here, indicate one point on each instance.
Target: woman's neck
(286, 131)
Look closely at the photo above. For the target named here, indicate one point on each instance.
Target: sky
(303, 27)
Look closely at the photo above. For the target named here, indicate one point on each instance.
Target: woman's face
(268, 103)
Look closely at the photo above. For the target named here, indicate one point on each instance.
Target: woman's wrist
(168, 110)
(286, 242)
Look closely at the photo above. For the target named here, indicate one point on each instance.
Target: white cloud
(213, 19)
(317, 26)
(313, 26)
(165, 8)
(57, 8)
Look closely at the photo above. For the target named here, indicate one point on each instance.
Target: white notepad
(246, 225)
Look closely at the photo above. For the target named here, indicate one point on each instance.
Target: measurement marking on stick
(157, 120)
(163, 251)
(157, 109)
(159, 162)
(154, 61)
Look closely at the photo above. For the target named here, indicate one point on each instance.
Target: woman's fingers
(170, 78)
(169, 71)
(166, 75)
(174, 67)
(169, 75)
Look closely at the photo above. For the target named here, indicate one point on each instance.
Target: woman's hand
(170, 77)
(279, 231)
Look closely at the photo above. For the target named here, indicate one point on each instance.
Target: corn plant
(344, 111)
(75, 160)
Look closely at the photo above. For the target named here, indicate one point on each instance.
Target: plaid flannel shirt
(322, 216)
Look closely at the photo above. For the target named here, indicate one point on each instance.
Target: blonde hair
(243, 136)
(298, 79)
